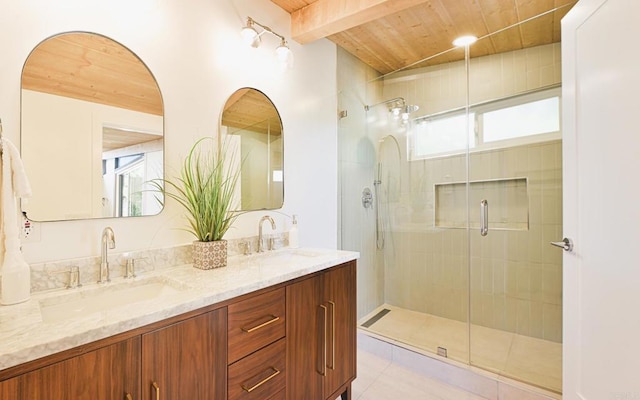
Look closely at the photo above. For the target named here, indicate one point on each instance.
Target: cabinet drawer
(259, 375)
(281, 395)
(255, 322)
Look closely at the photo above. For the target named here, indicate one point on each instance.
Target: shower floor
(531, 360)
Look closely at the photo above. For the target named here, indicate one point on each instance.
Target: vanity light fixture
(252, 37)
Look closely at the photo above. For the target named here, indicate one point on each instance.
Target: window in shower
(522, 119)
(442, 135)
(529, 115)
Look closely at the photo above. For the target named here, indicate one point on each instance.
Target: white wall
(195, 52)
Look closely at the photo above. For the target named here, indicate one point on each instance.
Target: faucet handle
(74, 277)
(130, 269)
(130, 266)
(246, 245)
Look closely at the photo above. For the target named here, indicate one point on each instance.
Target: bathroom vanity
(274, 326)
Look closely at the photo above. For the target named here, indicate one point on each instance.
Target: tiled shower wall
(516, 277)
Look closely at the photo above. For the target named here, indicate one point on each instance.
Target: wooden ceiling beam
(327, 17)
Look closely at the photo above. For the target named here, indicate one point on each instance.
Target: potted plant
(205, 189)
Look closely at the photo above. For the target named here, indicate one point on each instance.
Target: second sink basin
(285, 255)
(96, 299)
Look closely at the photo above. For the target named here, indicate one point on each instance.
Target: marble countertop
(26, 335)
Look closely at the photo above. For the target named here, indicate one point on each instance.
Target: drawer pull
(272, 319)
(323, 334)
(333, 335)
(262, 382)
(128, 397)
(157, 390)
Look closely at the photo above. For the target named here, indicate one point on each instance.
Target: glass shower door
(515, 181)
(419, 177)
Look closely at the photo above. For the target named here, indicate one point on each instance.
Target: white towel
(14, 184)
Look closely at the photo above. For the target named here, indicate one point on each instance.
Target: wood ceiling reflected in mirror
(92, 68)
(251, 119)
(251, 108)
(389, 35)
(92, 129)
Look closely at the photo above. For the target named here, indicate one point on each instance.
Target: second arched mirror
(251, 120)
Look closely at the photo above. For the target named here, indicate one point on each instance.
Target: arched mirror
(92, 130)
(250, 119)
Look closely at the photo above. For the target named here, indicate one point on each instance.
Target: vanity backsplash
(56, 274)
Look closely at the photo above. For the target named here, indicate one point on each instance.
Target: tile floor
(531, 360)
(381, 379)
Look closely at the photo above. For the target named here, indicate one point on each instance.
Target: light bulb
(250, 35)
(284, 55)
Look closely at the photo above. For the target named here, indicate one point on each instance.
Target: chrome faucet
(273, 226)
(108, 242)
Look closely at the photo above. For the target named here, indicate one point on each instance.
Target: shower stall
(451, 189)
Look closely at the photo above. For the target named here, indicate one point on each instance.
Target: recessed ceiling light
(464, 41)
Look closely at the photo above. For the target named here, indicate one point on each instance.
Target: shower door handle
(484, 217)
(566, 244)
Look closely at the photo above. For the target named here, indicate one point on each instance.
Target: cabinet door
(340, 298)
(305, 321)
(108, 373)
(187, 360)
(9, 389)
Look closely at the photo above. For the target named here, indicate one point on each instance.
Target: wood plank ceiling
(390, 35)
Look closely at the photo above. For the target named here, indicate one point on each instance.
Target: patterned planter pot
(209, 255)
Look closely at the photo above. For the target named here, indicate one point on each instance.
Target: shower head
(406, 110)
(396, 103)
(398, 109)
(410, 108)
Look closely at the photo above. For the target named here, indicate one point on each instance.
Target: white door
(601, 115)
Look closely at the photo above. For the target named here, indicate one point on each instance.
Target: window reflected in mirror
(252, 123)
(92, 130)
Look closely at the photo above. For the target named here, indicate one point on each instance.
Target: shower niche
(507, 199)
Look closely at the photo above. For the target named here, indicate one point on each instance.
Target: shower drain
(376, 318)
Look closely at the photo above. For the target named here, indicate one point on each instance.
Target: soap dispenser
(16, 280)
(293, 234)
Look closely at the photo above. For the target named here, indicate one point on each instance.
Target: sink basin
(285, 256)
(87, 301)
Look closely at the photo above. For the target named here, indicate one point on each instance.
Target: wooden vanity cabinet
(321, 335)
(186, 360)
(294, 341)
(108, 373)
